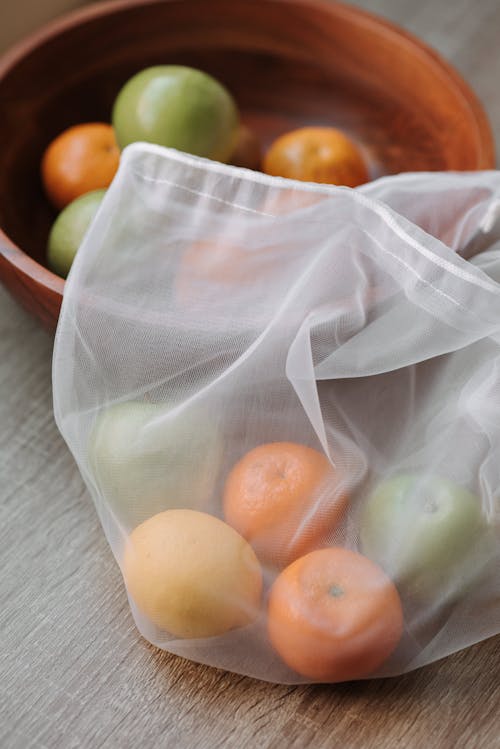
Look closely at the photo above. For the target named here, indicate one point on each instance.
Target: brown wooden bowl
(288, 63)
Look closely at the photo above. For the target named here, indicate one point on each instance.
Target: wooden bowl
(288, 63)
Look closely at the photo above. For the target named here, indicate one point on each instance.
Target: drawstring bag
(285, 402)
(460, 209)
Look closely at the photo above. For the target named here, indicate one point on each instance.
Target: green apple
(145, 458)
(178, 107)
(426, 532)
(69, 230)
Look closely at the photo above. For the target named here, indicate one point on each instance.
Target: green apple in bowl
(145, 458)
(69, 229)
(427, 533)
(178, 107)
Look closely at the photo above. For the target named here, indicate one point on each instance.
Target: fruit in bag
(284, 498)
(191, 574)
(145, 458)
(334, 615)
(423, 530)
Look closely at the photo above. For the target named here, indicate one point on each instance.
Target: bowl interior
(287, 64)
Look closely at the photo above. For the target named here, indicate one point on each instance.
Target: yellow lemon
(191, 574)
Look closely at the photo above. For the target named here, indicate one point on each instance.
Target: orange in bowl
(334, 615)
(284, 498)
(215, 271)
(212, 264)
(317, 154)
(81, 159)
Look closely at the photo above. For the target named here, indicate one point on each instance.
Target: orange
(284, 498)
(214, 262)
(281, 202)
(208, 270)
(334, 615)
(317, 154)
(191, 574)
(213, 271)
(81, 159)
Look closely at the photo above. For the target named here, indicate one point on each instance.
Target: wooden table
(73, 670)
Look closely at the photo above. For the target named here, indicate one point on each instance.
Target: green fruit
(426, 533)
(178, 107)
(144, 458)
(69, 230)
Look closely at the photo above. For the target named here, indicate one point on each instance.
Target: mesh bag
(285, 402)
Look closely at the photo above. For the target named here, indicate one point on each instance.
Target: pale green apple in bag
(145, 458)
(428, 533)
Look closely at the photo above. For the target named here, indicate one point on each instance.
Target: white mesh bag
(285, 402)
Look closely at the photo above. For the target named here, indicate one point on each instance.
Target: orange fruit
(282, 202)
(247, 152)
(208, 271)
(284, 498)
(334, 615)
(213, 271)
(214, 262)
(81, 159)
(317, 154)
(191, 574)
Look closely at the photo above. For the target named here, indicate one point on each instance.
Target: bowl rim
(13, 255)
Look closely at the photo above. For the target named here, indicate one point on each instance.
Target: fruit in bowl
(81, 159)
(178, 107)
(69, 230)
(317, 154)
(170, 105)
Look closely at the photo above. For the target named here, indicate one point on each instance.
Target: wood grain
(288, 63)
(73, 670)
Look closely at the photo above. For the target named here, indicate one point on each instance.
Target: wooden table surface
(74, 672)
